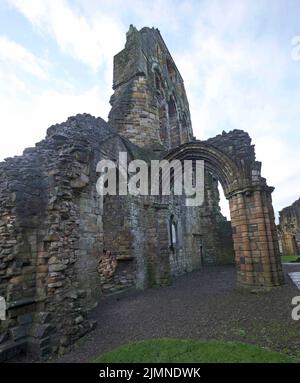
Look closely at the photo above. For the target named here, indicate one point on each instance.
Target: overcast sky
(235, 58)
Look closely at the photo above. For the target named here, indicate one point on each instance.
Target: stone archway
(231, 158)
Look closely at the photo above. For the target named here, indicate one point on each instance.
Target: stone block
(25, 319)
(42, 330)
(19, 332)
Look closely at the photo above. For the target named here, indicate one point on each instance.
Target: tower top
(149, 105)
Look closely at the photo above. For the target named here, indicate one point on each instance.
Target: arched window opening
(171, 70)
(295, 245)
(173, 123)
(159, 55)
(163, 123)
(173, 233)
(184, 129)
(158, 82)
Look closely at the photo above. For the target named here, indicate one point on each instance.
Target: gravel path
(199, 305)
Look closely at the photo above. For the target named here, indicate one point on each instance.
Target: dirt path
(199, 305)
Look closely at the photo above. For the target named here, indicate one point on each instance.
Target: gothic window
(158, 83)
(173, 233)
(173, 123)
(163, 122)
(184, 129)
(171, 70)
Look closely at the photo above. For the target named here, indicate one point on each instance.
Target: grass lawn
(290, 258)
(183, 351)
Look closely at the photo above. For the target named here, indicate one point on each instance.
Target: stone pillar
(156, 245)
(255, 239)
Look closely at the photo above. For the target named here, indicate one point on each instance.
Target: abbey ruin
(63, 246)
(289, 229)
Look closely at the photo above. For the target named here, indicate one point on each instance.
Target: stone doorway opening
(231, 159)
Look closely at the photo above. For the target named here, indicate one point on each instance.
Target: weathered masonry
(289, 229)
(231, 157)
(63, 246)
(149, 104)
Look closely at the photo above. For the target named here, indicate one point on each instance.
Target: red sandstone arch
(231, 158)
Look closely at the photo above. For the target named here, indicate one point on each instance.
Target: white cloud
(281, 165)
(40, 105)
(92, 41)
(13, 54)
(37, 110)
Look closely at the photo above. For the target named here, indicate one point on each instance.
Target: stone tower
(150, 108)
(289, 229)
(149, 104)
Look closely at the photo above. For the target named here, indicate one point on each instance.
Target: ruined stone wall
(118, 239)
(214, 231)
(147, 258)
(149, 104)
(22, 213)
(137, 232)
(289, 229)
(150, 108)
(159, 260)
(51, 236)
(54, 227)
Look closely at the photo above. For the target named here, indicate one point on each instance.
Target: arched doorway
(231, 159)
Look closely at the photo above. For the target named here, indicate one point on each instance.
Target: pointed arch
(173, 123)
(256, 246)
